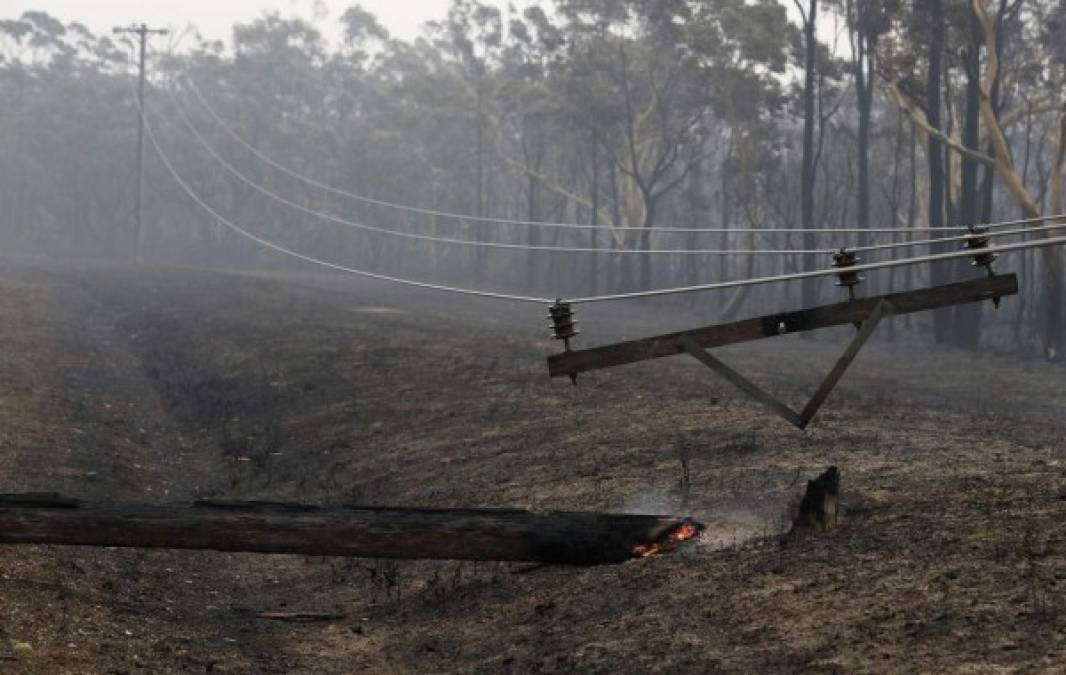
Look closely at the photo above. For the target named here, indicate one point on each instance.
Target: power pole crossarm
(826, 316)
(142, 32)
(867, 313)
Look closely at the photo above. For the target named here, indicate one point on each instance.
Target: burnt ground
(173, 384)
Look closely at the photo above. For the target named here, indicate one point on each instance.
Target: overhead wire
(814, 274)
(230, 168)
(213, 113)
(1003, 248)
(188, 190)
(964, 237)
(187, 120)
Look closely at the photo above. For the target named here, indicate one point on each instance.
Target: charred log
(388, 533)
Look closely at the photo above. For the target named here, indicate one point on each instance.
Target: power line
(217, 156)
(188, 81)
(183, 112)
(1054, 241)
(1005, 248)
(316, 261)
(887, 264)
(965, 237)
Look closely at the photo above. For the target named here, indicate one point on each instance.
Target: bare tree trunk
(651, 206)
(864, 62)
(809, 171)
(479, 253)
(697, 210)
(968, 318)
(1054, 327)
(534, 158)
(594, 219)
(912, 210)
(941, 319)
(894, 207)
(616, 219)
(1055, 322)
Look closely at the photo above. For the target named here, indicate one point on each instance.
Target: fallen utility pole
(388, 533)
(866, 314)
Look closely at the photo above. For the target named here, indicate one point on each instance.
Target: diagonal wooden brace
(884, 308)
(802, 419)
(740, 382)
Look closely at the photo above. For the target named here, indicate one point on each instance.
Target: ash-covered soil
(168, 385)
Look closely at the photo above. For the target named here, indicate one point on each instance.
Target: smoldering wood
(866, 331)
(820, 505)
(773, 325)
(569, 538)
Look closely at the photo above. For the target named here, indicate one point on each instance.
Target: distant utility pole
(142, 32)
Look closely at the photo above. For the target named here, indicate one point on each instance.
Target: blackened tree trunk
(479, 253)
(533, 154)
(809, 172)
(594, 220)
(866, 49)
(697, 211)
(651, 206)
(935, 8)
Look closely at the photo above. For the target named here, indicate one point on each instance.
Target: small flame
(684, 532)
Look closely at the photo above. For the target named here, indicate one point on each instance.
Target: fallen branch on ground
(299, 617)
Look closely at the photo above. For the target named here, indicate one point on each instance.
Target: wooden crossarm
(570, 364)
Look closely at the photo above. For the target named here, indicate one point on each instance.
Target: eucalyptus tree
(64, 187)
(532, 118)
(868, 21)
(470, 40)
(980, 28)
(650, 79)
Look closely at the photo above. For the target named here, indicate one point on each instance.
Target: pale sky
(214, 18)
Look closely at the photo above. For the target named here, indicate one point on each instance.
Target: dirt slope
(170, 384)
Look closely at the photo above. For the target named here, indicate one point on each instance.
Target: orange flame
(684, 532)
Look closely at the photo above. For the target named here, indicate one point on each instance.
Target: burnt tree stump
(820, 504)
